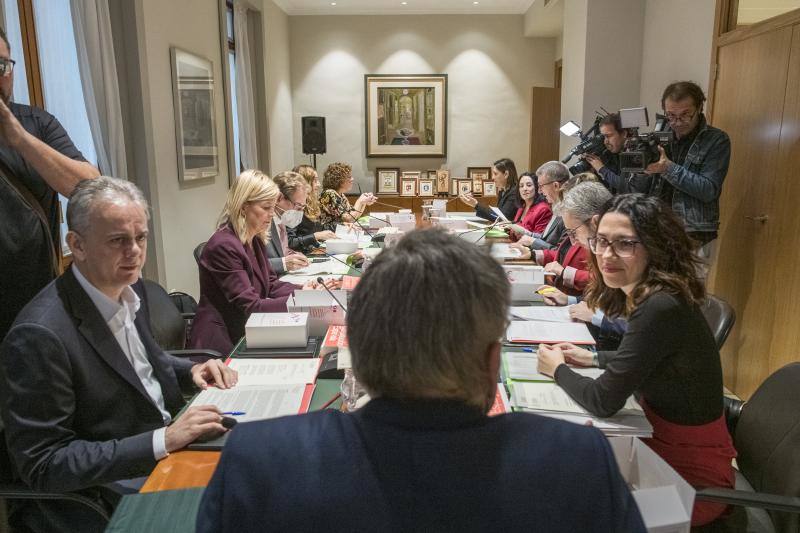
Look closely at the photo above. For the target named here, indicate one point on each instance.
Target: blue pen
(529, 350)
(234, 413)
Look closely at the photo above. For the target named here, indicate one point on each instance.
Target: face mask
(291, 218)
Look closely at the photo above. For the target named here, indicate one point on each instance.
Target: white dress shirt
(119, 317)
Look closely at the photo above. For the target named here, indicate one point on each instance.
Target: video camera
(591, 143)
(641, 149)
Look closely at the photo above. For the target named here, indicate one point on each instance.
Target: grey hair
(423, 317)
(584, 200)
(88, 193)
(553, 171)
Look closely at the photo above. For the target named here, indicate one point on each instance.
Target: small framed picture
(443, 181)
(426, 187)
(464, 186)
(408, 187)
(432, 175)
(386, 181)
(412, 175)
(489, 188)
(454, 187)
(478, 175)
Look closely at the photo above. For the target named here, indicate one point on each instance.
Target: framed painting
(406, 115)
(426, 187)
(489, 188)
(464, 186)
(195, 118)
(387, 181)
(432, 175)
(478, 175)
(412, 175)
(408, 187)
(442, 181)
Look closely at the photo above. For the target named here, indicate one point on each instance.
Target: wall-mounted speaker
(314, 135)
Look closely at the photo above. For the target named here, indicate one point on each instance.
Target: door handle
(758, 218)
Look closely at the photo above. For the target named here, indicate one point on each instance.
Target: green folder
(169, 510)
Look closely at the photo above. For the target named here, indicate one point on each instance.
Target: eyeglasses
(6, 66)
(621, 247)
(682, 118)
(295, 205)
(571, 232)
(546, 183)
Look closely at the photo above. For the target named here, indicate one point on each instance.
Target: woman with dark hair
(334, 206)
(644, 269)
(535, 212)
(504, 174)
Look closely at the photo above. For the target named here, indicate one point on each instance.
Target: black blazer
(507, 202)
(76, 414)
(301, 238)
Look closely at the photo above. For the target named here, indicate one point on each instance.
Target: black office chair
(720, 317)
(767, 439)
(198, 251)
(169, 325)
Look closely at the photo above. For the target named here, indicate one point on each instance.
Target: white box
(450, 223)
(322, 310)
(524, 280)
(277, 330)
(664, 498)
(398, 218)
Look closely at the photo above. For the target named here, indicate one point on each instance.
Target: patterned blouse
(332, 206)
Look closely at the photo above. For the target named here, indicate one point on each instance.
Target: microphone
(342, 262)
(322, 282)
(485, 230)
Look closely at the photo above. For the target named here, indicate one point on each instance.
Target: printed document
(536, 332)
(256, 402)
(542, 313)
(275, 371)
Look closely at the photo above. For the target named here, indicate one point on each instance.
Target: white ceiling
(412, 7)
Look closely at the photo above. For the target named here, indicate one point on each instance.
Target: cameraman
(614, 137)
(692, 168)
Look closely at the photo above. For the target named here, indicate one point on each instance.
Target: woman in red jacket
(535, 212)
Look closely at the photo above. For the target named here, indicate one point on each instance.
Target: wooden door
(545, 117)
(749, 97)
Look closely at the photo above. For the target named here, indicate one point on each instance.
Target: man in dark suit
(87, 395)
(422, 455)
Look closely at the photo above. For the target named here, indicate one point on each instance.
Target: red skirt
(702, 455)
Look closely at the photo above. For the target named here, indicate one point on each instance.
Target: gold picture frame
(478, 175)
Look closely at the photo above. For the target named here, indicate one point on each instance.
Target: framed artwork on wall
(408, 187)
(442, 181)
(387, 181)
(489, 188)
(406, 115)
(464, 186)
(432, 175)
(454, 187)
(478, 175)
(195, 118)
(426, 187)
(412, 175)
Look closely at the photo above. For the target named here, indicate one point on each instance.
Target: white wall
(183, 215)
(491, 67)
(573, 66)
(666, 59)
(278, 91)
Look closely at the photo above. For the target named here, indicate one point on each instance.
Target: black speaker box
(314, 135)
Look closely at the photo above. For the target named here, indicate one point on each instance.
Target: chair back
(720, 317)
(198, 251)
(767, 440)
(166, 321)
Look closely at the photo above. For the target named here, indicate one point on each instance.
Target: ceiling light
(474, 3)
(404, 3)
(333, 3)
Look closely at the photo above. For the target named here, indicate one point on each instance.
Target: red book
(335, 338)
(500, 405)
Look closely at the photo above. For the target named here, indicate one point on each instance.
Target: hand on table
(323, 236)
(552, 296)
(214, 373)
(575, 355)
(295, 261)
(525, 252)
(525, 240)
(196, 422)
(580, 311)
(549, 358)
(554, 267)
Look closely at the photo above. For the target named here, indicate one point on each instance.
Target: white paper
(329, 266)
(551, 397)
(257, 402)
(542, 313)
(276, 320)
(319, 298)
(524, 366)
(275, 371)
(343, 359)
(501, 250)
(535, 332)
(499, 214)
(301, 279)
(630, 425)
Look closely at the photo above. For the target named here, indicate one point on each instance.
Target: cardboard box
(277, 330)
(525, 279)
(322, 310)
(664, 498)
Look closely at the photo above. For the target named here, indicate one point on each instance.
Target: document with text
(255, 402)
(275, 371)
(536, 332)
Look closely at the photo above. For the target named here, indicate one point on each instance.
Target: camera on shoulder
(641, 149)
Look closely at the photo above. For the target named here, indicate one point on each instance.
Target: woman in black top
(504, 174)
(645, 270)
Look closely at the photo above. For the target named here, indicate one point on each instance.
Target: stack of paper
(545, 313)
(541, 332)
(502, 250)
(549, 399)
(521, 366)
(276, 330)
(335, 339)
(257, 372)
(255, 402)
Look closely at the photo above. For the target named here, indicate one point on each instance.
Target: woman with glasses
(535, 212)
(644, 269)
(504, 175)
(235, 274)
(309, 233)
(334, 206)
